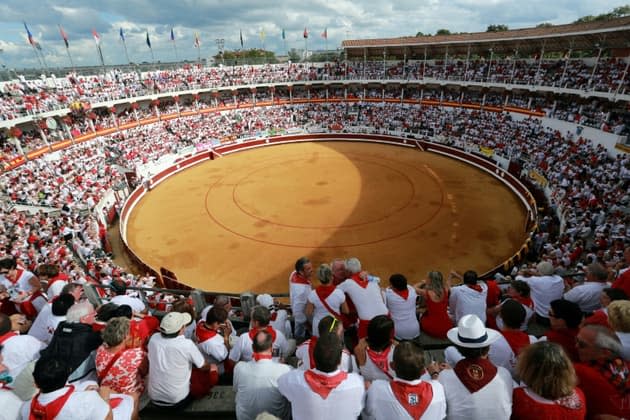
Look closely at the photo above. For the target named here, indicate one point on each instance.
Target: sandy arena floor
(239, 222)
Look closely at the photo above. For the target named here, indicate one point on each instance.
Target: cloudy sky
(216, 19)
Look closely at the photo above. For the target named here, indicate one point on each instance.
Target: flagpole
(65, 41)
(175, 48)
(126, 53)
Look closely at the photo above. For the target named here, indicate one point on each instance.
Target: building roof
(614, 33)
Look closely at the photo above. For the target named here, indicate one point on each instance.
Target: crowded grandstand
(544, 333)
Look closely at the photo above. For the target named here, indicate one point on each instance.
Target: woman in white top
(325, 299)
(400, 299)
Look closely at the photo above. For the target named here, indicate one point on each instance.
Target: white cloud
(220, 19)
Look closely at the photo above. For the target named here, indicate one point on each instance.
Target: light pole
(220, 44)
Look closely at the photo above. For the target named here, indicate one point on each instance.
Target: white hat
(174, 321)
(470, 332)
(265, 300)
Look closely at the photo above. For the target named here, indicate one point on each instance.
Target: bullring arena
(400, 208)
(188, 185)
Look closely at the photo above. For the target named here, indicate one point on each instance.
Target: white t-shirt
(587, 295)
(256, 387)
(298, 294)
(368, 301)
(10, 404)
(83, 405)
(465, 300)
(334, 300)
(214, 349)
(381, 403)
(170, 367)
(136, 304)
(493, 401)
(544, 289)
(20, 350)
(344, 402)
(403, 312)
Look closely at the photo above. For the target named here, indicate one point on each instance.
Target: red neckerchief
(268, 328)
(415, 399)
(616, 373)
(274, 316)
(325, 290)
(58, 277)
(311, 351)
(50, 410)
(525, 301)
(380, 359)
(18, 274)
(402, 293)
(475, 373)
(476, 287)
(323, 385)
(203, 333)
(297, 278)
(6, 336)
(261, 356)
(357, 278)
(516, 339)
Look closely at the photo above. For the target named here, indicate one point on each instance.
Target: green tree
(294, 56)
(443, 32)
(497, 28)
(422, 34)
(544, 25)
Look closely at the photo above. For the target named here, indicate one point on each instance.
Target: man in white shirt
(256, 382)
(475, 388)
(73, 402)
(279, 315)
(366, 295)
(171, 356)
(50, 316)
(545, 286)
(468, 298)
(260, 318)
(299, 288)
(324, 392)
(587, 294)
(407, 396)
(213, 337)
(119, 287)
(17, 350)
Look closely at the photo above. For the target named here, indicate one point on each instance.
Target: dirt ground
(239, 222)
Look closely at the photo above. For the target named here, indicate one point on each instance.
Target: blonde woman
(549, 380)
(435, 320)
(619, 320)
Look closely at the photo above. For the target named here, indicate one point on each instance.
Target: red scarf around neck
(311, 351)
(525, 301)
(380, 359)
(203, 333)
(50, 410)
(325, 290)
(415, 399)
(268, 328)
(475, 373)
(261, 356)
(323, 385)
(516, 339)
(402, 293)
(6, 336)
(617, 373)
(475, 287)
(357, 278)
(299, 279)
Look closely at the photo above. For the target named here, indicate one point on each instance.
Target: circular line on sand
(343, 226)
(375, 241)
